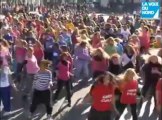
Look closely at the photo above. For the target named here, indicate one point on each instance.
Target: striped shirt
(42, 80)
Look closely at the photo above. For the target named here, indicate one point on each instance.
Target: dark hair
(64, 54)
(100, 78)
(98, 58)
(83, 43)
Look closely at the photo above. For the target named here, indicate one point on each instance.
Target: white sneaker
(6, 113)
(49, 117)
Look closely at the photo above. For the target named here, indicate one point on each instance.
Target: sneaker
(49, 117)
(69, 104)
(6, 113)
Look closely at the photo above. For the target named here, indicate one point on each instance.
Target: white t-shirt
(125, 34)
(4, 76)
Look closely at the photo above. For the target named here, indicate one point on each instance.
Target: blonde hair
(5, 43)
(103, 53)
(31, 49)
(45, 63)
(125, 77)
(110, 39)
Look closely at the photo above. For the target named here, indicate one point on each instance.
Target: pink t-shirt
(20, 54)
(96, 43)
(16, 33)
(3, 55)
(145, 40)
(64, 71)
(99, 65)
(32, 66)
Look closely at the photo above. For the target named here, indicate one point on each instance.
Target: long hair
(5, 43)
(100, 79)
(99, 52)
(131, 48)
(112, 40)
(125, 76)
(64, 54)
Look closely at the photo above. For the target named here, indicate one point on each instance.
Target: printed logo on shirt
(106, 98)
(132, 92)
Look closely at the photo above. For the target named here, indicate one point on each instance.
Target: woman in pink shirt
(15, 32)
(96, 40)
(63, 77)
(4, 53)
(31, 68)
(20, 53)
(145, 38)
(38, 51)
(99, 62)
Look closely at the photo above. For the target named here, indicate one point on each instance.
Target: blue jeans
(82, 69)
(5, 94)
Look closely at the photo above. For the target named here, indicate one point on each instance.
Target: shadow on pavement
(77, 112)
(146, 112)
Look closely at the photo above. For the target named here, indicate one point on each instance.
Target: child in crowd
(41, 86)
(63, 77)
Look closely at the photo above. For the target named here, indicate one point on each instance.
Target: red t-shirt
(102, 97)
(129, 92)
(99, 65)
(159, 90)
(64, 71)
(39, 54)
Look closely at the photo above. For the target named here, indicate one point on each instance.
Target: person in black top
(114, 65)
(152, 71)
(116, 69)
